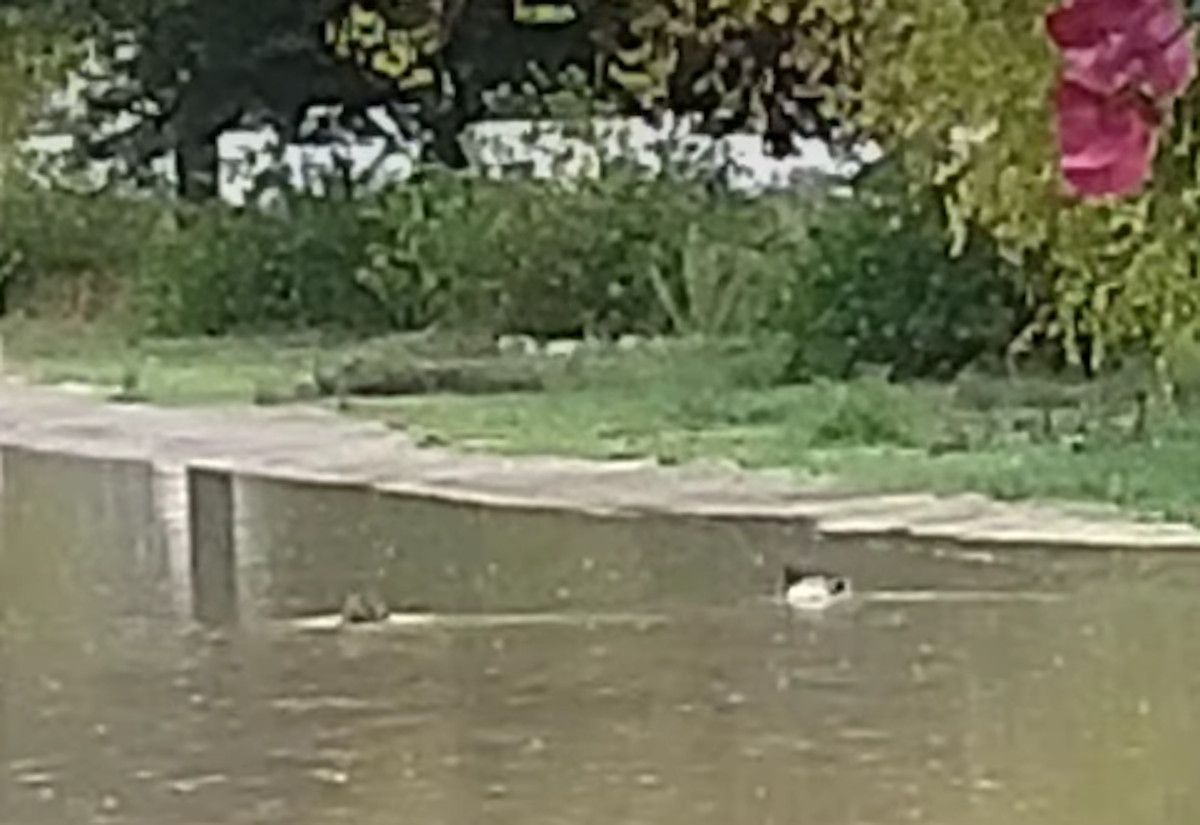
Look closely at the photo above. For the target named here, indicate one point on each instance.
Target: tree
(1123, 63)
(780, 67)
(32, 55)
(198, 67)
(445, 57)
(958, 90)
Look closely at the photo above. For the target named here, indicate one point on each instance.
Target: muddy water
(652, 679)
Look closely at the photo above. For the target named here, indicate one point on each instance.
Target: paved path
(307, 443)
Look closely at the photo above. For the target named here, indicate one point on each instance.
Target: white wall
(545, 150)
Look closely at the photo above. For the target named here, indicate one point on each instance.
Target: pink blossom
(1113, 45)
(1106, 142)
(1123, 62)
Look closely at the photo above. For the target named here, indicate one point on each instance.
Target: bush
(222, 270)
(187, 270)
(875, 284)
(67, 254)
(848, 280)
(619, 255)
(519, 256)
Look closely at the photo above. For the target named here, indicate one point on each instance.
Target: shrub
(518, 256)
(850, 281)
(874, 283)
(222, 270)
(68, 254)
(616, 255)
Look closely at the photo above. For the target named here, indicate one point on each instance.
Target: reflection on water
(730, 710)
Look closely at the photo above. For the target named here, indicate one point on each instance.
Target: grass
(173, 372)
(1030, 438)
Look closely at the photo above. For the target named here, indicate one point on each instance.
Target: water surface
(116, 708)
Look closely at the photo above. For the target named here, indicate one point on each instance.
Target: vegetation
(779, 67)
(846, 281)
(962, 88)
(179, 73)
(874, 284)
(33, 54)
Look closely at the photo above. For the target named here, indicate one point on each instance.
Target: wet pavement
(315, 445)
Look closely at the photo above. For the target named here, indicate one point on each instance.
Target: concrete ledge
(315, 447)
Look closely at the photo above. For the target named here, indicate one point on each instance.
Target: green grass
(688, 401)
(783, 428)
(173, 372)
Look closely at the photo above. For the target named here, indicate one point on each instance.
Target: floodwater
(572, 671)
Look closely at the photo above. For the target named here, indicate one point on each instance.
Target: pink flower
(1123, 61)
(1106, 142)
(1113, 45)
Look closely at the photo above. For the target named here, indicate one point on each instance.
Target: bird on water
(812, 589)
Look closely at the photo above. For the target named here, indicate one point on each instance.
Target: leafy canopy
(958, 88)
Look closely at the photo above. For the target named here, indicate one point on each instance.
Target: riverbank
(862, 458)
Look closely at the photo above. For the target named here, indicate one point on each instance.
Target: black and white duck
(812, 589)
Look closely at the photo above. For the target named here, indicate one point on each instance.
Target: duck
(364, 608)
(812, 589)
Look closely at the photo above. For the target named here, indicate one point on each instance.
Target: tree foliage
(779, 67)
(33, 52)
(199, 67)
(959, 89)
(782, 67)
(37, 45)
